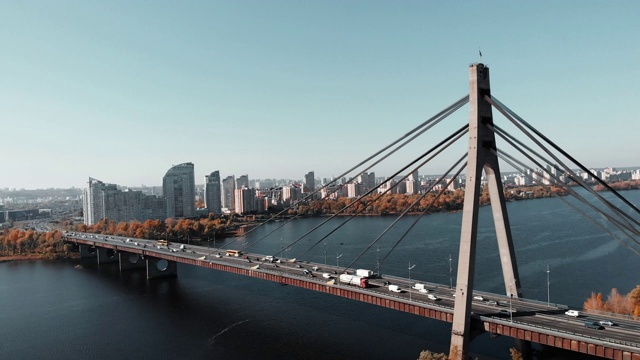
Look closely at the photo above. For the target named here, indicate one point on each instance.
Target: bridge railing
(610, 314)
(623, 345)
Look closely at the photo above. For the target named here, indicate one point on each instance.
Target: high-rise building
(228, 192)
(309, 183)
(107, 201)
(212, 194)
(246, 201)
(242, 181)
(178, 187)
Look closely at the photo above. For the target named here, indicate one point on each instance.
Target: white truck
(364, 272)
(419, 287)
(360, 281)
(395, 288)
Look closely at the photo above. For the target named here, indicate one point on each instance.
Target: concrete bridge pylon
(480, 158)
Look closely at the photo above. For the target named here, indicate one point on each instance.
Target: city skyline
(123, 91)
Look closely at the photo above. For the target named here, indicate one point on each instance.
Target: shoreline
(25, 257)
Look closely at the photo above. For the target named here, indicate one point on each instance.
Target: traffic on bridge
(495, 312)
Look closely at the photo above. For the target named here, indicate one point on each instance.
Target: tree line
(23, 242)
(620, 185)
(397, 203)
(206, 228)
(616, 302)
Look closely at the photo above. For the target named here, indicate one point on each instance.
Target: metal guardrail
(631, 346)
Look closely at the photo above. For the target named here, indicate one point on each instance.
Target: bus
(234, 252)
(163, 242)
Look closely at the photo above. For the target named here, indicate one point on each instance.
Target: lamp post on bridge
(378, 260)
(548, 288)
(410, 267)
(450, 274)
(510, 302)
(325, 253)
(338, 260)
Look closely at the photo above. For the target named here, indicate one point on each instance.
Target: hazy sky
(122, 90)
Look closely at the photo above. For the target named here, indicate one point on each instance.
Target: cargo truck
(364, 273)
(360, 281)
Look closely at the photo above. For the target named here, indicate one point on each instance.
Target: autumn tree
(594, 302)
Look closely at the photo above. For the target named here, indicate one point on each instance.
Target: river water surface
(52, 310)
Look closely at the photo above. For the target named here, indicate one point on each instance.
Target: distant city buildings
(228, 192)
(309, 185)
(246, 201)
(212, 192)
(103, 200)
(178, 188)
(244, 196)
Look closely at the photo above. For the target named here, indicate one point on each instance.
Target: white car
(424, 291)
(606, 322)
(574, 313)
(478, 297)
(432, 297)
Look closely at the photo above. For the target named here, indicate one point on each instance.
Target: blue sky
(122, 90)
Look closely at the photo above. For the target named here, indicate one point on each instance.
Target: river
(53, 310)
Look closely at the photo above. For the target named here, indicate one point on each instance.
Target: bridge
(471, 313)
(522, 319)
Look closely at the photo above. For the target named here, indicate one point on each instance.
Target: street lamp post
(378, 260)
(510, 308)
(548, 288)
(325, 253)
(410, 267)
(337, 260)
(450, 274)
(510, 301)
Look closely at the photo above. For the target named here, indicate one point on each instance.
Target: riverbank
(38, 257)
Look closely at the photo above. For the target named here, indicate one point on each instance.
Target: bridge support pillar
(131, 261)
(159, 268)
(87, 251)
(106, 256)
(481, 157)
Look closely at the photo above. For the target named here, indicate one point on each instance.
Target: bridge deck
(518, 318)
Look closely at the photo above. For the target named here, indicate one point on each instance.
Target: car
(326, 276)
(504, 312)
(593, 325)
(315, 268)
(606, 322)
(492, 303)
(432, 297)
(478, 297)
(424, 291)
(574, 313)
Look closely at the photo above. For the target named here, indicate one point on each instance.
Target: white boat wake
(210, 342)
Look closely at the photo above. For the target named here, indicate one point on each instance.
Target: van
(574, 313)
(395, 288)
(418, 286)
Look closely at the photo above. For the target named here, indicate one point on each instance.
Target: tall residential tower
(178, 187)
(212, 194)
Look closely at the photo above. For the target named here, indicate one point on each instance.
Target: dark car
(593, 325)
